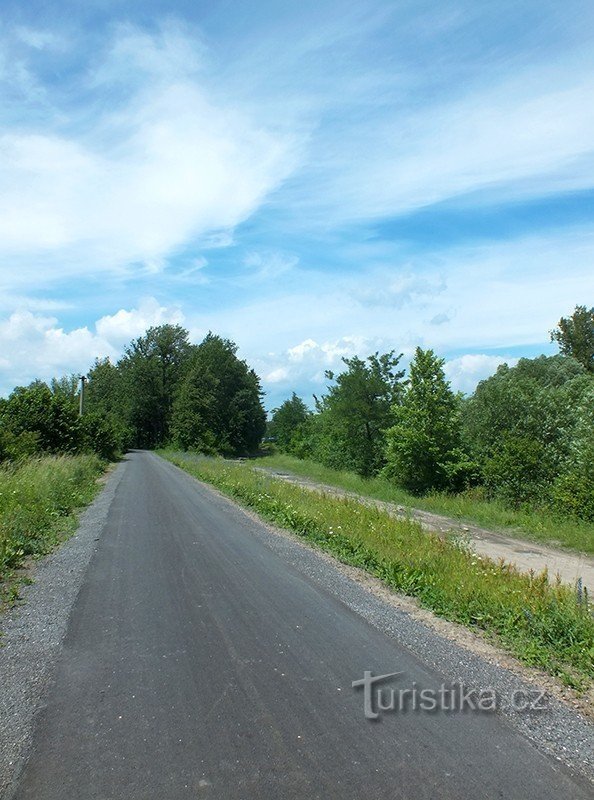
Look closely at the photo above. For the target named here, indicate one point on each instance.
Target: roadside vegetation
(545, 625)
(469, 506)
(38, 501)
(518, 452)
(162, 390)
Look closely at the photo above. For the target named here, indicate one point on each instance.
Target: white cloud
(267, 266)
(123, 326)
(168, 163)
(36, 346)
(501, 135)
(277, 375)
(400, 288)
(302, 367)
(466, 371)
(299, 351)
(37, 38)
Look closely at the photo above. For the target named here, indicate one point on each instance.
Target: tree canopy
(575, 336)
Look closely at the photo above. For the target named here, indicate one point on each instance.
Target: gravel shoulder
(526, 555)
(32, 631)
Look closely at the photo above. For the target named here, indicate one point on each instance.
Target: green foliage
(37, 499)
(574, 489)
(424, 446)
(35, 414)
(219, 405)
(540, 623)
(470, 506)
(99, 434)
(575, 336)
(17, 447)
(290, 426)
(517, 471)
(151, 371)
(353, 416)
(519, 425)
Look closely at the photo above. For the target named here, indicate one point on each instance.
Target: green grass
(541, 526)
(543, 625)
(38, 499)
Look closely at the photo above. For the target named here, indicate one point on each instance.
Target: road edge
(33, 631)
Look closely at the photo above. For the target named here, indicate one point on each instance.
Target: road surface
(199, 663)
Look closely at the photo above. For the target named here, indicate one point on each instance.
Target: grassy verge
(544, 625)
(37, 501)
(469, 506)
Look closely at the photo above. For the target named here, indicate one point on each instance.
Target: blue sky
(313, 180)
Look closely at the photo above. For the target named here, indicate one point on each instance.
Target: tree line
(163, 391)
(526, 435)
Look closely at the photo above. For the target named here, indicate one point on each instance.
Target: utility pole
(81, 398)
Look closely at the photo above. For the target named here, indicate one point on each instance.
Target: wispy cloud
(254, 174)
(172, 163)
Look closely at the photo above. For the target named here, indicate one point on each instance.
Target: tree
(290, 424)
(424, 445)
(35, 414)
(575, 336)
(152, 369)
(219, 405)
(193, 410)
(107, 409)
(354, 415)
(573, 492)
(519, 425)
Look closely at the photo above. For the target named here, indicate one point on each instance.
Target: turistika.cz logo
(454, 698)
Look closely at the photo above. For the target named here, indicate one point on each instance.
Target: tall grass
(471, 506)
(542, 624)
(37, 498)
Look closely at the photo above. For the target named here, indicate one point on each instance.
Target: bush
(573, 492)
(16, 447)
(100, 436)
(36, 499)
(517, 472)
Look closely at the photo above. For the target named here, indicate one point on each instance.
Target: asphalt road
(198, 663)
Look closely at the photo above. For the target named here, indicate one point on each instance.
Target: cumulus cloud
(125, 325)
(302, 367)
(37, 346)
(465, 372)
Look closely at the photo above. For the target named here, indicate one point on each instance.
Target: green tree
(528, 409)
(68, 386)
(36, 414)
(348, 431)
(575, 336)
(152, 369)
(219, 405)
(573, 492)
(107, 410)
(424, 445)
(290, 425)
(193, 411)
